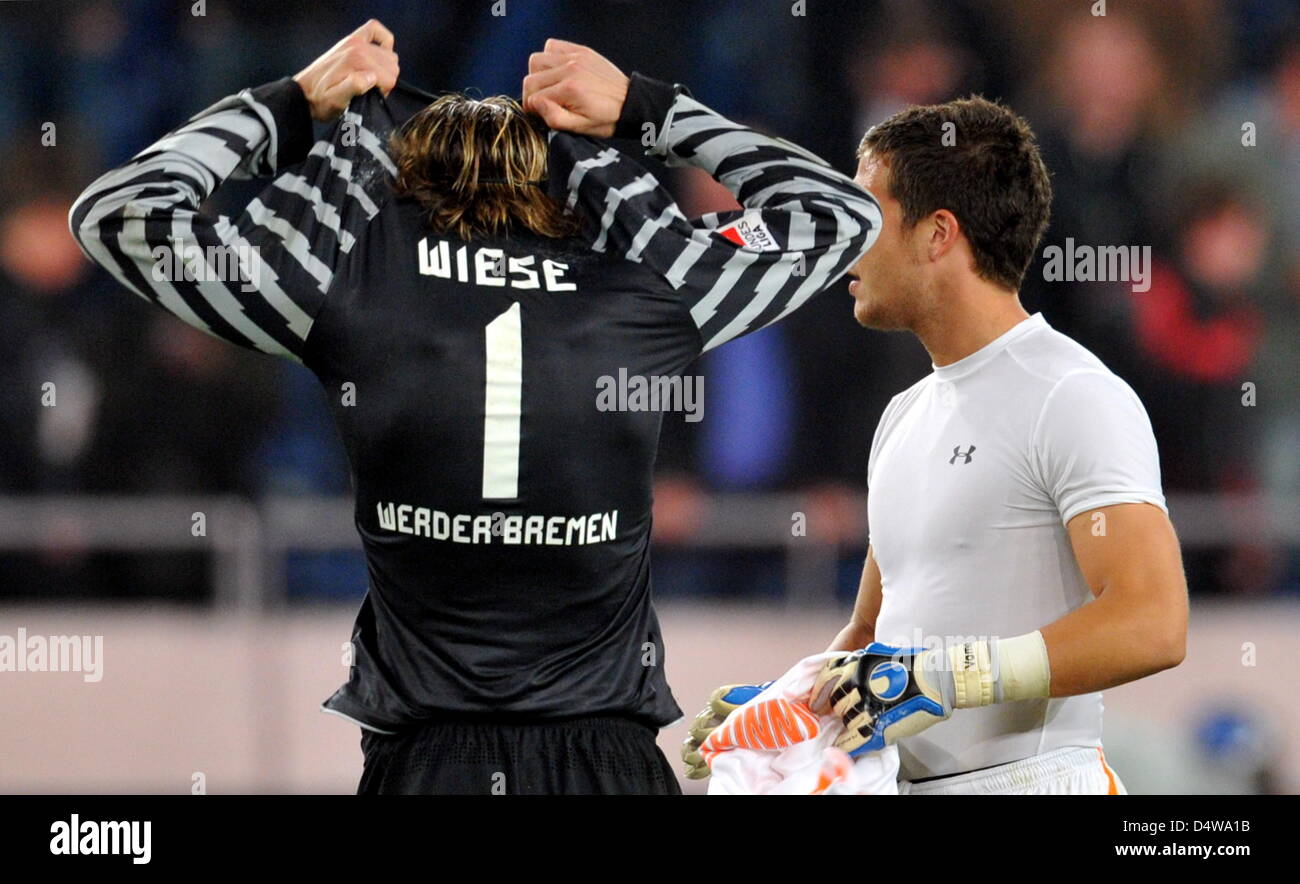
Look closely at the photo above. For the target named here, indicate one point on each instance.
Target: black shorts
(604, 755)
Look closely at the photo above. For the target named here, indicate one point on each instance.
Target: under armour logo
(957, 452)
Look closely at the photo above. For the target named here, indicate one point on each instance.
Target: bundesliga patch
(749, 232)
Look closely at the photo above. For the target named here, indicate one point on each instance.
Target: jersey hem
(358, 722)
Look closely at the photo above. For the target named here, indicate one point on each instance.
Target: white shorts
(1067, 771)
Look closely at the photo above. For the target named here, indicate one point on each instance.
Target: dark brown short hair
(476, 167)
(985, 168)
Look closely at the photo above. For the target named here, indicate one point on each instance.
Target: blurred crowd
(1172, 124)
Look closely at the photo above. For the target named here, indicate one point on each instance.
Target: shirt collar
(966, 365)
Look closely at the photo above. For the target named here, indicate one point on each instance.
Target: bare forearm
(861, 628)
(1137, 624)
(1109, 642)
(853, 636)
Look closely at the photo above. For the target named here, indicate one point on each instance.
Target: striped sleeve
(802, 227)
(260, 279)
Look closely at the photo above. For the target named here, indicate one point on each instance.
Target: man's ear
(945, 230)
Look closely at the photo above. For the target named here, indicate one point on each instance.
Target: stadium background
(1173, 125)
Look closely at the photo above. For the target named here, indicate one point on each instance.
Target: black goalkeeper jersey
(504, 508)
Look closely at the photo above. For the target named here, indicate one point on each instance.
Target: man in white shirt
(1021, 557)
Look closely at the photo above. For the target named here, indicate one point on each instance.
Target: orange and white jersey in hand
(776, 745)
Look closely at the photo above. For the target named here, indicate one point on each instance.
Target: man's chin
(873, 319)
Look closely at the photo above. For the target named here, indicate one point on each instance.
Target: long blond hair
(477, 168)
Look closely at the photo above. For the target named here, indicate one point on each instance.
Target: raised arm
(804, 224)
(258, 280)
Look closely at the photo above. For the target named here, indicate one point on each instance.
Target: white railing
(250, 540)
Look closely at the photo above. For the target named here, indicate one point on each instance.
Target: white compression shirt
(974, 473)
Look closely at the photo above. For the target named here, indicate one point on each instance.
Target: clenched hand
(360, 61)
(574, 88)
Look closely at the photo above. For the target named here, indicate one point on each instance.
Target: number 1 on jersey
(502, 405)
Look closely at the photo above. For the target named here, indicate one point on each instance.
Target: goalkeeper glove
(722, 703)
(884, 693)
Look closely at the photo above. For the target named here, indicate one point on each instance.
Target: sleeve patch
(750, 232)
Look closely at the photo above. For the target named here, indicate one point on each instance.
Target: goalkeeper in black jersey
(459, 279)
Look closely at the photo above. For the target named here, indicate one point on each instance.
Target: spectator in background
(1199, 330)
(60, 344)
(115, 56)
(95, 401)
(1096, 123)
(1279, 359)
(1253, 135)
(919, 60)
(1275, 158)
(1278, 365)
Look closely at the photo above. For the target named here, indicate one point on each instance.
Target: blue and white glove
(883, 693)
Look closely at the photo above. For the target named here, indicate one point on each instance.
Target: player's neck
(967, 321)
